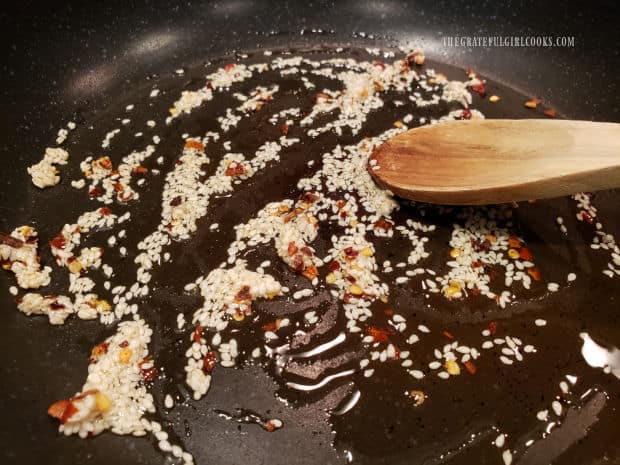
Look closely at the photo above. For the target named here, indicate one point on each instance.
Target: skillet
(71, 61)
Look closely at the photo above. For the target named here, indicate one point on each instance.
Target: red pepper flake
(534, 273)
(481, 246)
(310, 272)
(310, 197)
(100, 349)
(59, 242)
(194, 144)
(236, 170)
(448, 335)
(350, 252)
(480, 89)
(306, 251)
(284, 129)
(208, 363)
(382, 223)
(244, 294)
(587, 217)
(550, 113)
(118, 187)
(492, 328)
(62, 410)
(378, 334)
(273, 326)
(465, 114)
(56, 306)
(229, 66)
(148, 374)
(139, 170)
(476, 264)
(470, 367)
(292, 248)
(197, 336)
(270, 426)
(525, 254)
(124, 344)
(105, 211)
(514, 242)
(388, 312)
(475, 291)
(334, 265)
(95, 192)
(104, 162)
(298, 263)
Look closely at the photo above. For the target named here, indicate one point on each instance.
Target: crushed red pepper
(382, 223)
(334, 265)
(95, 192)
(208, 363)
(351, 253)
(292, 249)
(62, 410)
(59, 242)
(234, 171)
(470, 367)
(525, 254)
(197, 336)
(194, 144)
(480, 89)
(148, 374)
(465, 114)
(379, 334)
(586, 216)
(244, 294)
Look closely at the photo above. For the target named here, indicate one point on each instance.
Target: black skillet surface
(77, 58)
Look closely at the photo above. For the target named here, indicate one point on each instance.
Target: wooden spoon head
(497, 161)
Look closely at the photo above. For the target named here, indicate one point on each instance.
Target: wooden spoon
(495, 161)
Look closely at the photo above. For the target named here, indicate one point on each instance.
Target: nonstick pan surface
(82, 62)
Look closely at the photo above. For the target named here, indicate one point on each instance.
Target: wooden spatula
(495, 161)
